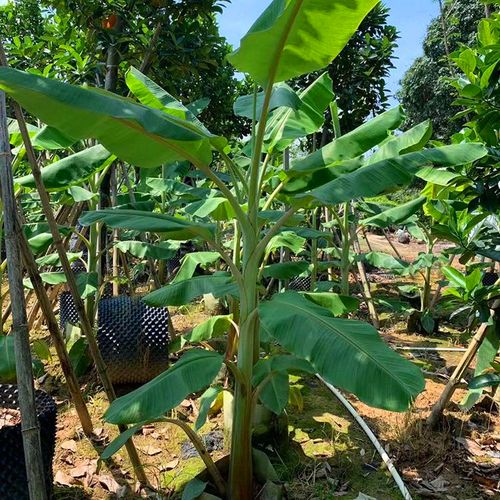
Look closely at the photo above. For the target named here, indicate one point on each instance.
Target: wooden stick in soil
(364, 280)
(475, 344)
(85, 324)
(29, 422)
(55, 332)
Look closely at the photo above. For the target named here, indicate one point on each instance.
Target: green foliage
(425, 92)
(312, 333)
(359, 72)
(193, 371)
(275, 47)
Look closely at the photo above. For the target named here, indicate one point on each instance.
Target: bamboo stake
(364, 280)
(85, 323)
(475, 344)
(29, 422)
(55, 332)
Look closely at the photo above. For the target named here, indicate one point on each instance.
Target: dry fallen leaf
(151, 450)
(69, 445)
(63, 479)
(170, 465)
(109, 483)
(79, 471)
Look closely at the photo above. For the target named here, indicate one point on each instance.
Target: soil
(9, 417)
(328, 455)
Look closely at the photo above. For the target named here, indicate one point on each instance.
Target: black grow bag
(13, 480)
(132, 336)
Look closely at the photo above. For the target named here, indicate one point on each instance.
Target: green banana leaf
(71, 170)
(274, 371)
(136, 220)
(195, 370)
(394, 215)
(293, 37)
(179, 294)
(411, 140)
(137, 134)
(372, 180)
(364, 364)
(352, 144)
(214, 326)
(282, 96)
(152, 95)
(191, 261)
(206, 401)
(285, 270)
(286, 124)
(140, 249)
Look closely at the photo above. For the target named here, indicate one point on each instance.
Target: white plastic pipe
(376, 443)
(416, 348)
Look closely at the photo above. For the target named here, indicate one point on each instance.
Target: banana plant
(287, 40)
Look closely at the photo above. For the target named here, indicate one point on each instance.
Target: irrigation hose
(376, 443)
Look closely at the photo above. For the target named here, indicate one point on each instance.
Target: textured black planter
(13, 481)
(300, 284)
(133, 337)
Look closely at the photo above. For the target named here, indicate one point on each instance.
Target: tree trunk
(29, 421)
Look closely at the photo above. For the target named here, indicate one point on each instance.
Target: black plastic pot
(13, 481)
(132, 336)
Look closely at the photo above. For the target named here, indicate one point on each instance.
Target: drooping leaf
(206, 400)
(286, 239)
(214, 326)
(352, 144)
(137, 220)
(50, 138)
(53, 259)
(291, 37)
(137, 134)
(195, 370)
(394, 215)
(184, 292)
(385, 261)
(285, 270)
(337, 304)
(282, 96)
(141, 249)
(349, 354)
(80, 194)
(70, 170)
(486, 380)
(191, 261)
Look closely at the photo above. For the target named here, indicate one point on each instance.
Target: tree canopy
(425, 91)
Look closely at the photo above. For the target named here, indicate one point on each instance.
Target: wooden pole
(55, 332)
(85, 323)
(29, 421)
(475, 344)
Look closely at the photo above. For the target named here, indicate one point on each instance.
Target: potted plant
(13, 481)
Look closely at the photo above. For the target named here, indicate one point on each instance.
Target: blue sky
(410, 18)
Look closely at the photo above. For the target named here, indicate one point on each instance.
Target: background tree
(359, 72)
(69, 40)
(425, 92)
